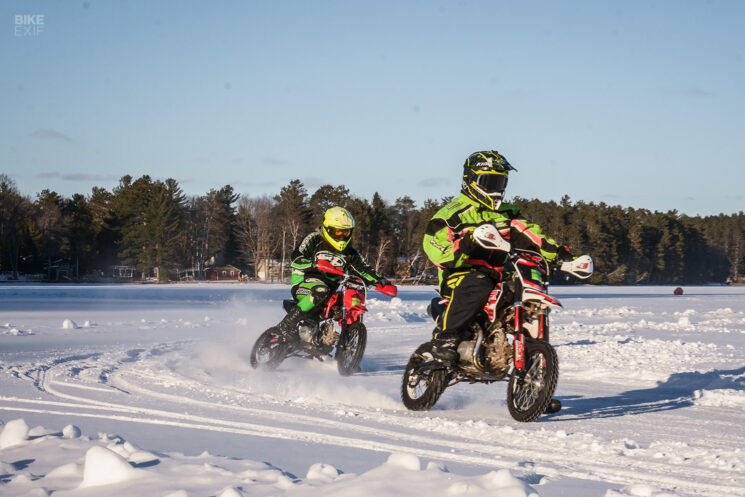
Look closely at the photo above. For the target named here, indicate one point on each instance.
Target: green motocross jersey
(314, 248)
(460, 217)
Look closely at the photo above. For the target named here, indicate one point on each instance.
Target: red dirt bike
(319, 338)
(508, 340)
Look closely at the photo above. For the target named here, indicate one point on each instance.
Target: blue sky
(637, 103)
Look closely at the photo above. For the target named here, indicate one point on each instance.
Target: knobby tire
(529, 395)
(269, 350)
(351, 348)
(421, 390)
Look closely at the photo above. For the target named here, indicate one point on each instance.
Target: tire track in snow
(433, 446)
(593, 472)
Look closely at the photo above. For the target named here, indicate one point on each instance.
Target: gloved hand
(386, 287)
(564, 254)
(488, 236)
(466, 244)
(326, 267)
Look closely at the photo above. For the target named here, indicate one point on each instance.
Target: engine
(498, 351)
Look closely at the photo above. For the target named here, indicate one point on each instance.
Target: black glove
(563, 254)
(467, 244)
(383, 282)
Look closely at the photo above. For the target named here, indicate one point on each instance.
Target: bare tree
(292, 226)
(382, 252)
(256, 228)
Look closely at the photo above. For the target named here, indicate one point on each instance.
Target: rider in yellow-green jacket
(468, 272)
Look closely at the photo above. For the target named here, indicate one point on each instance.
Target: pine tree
(14, 211)
(293, 216)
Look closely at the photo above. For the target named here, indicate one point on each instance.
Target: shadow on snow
(677, 392)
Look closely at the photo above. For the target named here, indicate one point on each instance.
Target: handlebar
(326, 267)
(582, 267)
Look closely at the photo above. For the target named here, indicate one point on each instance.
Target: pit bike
(337, 331)
(507, 340)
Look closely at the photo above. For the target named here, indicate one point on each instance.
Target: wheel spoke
(529, 388)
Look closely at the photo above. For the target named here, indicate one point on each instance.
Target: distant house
(58, 270)
(223, 273)
(123, 272)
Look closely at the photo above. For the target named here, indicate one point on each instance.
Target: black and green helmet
(485, 177)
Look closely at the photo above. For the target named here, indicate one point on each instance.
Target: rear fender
(490, 308)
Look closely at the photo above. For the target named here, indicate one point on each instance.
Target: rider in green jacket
(311, 286)
(467, 272)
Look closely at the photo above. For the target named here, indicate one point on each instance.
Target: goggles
(492, 183)
(338, 234)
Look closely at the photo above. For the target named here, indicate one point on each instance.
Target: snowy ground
(139, 391)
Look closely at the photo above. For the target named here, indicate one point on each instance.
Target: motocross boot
(444, 347)
(288, 325)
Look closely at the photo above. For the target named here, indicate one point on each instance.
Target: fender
(354, 303)
(328, 309)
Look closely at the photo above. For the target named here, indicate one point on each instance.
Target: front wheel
(269, 350)
(529, 394)
(420, 388)
(350, 349)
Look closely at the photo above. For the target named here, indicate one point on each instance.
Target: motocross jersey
(452, 223)
(314, 248)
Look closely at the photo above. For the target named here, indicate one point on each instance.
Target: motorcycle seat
(289, 304)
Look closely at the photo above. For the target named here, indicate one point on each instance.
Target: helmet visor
(492, 183)
(338, 234)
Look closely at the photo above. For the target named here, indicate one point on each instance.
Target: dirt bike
(507, 340)
(318, 337)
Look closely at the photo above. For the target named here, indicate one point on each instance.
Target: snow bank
(103, 467)
(8, 329)
(402, 475)
(110, 468)
(14, 433)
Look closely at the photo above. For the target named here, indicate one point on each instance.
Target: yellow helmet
(337, 227)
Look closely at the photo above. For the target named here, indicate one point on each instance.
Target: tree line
(153, 226)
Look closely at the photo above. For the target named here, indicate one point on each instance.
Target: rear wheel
(269, 350)
(529, 395)
(420, 389)
(350, 349)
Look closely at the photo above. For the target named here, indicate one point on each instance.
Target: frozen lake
(653, 387)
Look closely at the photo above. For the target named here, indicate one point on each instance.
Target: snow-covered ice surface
(142, 390)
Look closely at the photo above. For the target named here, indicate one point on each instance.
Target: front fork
(519, 344)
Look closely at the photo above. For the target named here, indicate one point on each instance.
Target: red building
(223, 273)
